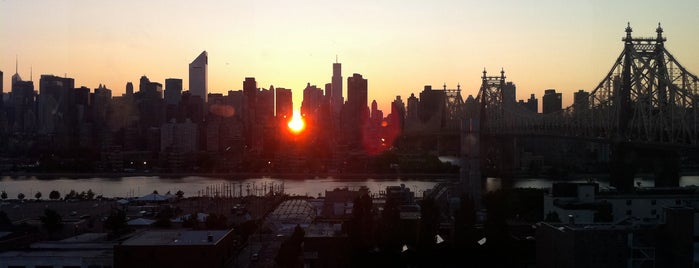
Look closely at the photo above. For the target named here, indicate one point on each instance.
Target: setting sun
(296, 125)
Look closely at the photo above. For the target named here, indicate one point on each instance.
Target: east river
(135, 186)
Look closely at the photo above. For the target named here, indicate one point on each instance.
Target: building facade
(198, 76)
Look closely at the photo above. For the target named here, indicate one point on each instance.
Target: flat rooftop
(99, 253)
(176, 238)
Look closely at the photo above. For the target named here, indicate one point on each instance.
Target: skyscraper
(312, 99)
(398, 112)
(357, 92)
(357, 110)
(129, 89)
(198, 76)
(411, 114)
(552, 101)
(532, 104)
(581, 100)
(23, 101)
(56, 101)
(509, 92)
(249, 111)
(336, 99)
(173, 91)
(284, 103)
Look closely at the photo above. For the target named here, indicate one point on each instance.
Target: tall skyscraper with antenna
(336, 98)
(198, 76)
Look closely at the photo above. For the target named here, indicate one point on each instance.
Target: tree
(604, 213)
(429, 223)
(116, 221)
(179, 194)
(215, 221)
(163, 217)
(20, 196)
(290, 250)
(90, 194)
(390, 228)
(362, 225)
(54, 195)
(3, 195)
(5, 220)
(37, 195)
(51, 221)
(71, 195)
(552, 216)
(191, 221)
(464, 221)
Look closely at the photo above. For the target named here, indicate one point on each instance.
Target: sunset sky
(398, 45)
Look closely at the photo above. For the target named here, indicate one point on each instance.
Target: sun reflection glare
(296, 124)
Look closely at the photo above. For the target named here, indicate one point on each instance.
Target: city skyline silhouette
(398, 46)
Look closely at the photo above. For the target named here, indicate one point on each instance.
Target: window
(628, 202)
(653, 212)
(628, 212)
(678, 202)
(652, 202)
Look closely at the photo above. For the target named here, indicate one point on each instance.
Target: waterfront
(197, 185)
(134, 186)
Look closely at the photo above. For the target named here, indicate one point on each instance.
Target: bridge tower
(654, 98)
(497, 152)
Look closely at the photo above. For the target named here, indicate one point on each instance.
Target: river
(196, 185)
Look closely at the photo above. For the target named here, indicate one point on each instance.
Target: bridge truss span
(647, 97)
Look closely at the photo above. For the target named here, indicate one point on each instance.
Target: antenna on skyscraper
(335, 58)
(16, 63)
(31, 73)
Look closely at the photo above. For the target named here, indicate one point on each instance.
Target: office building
(198, 76)
(129, 89)
(179, 137)
(431, 109)
(509, 93)
(150, 104)
(285, 104)
(376, 114)
(55, 103)
(253, 130)
(357, 112)
(23, 101)
(532, 104)
(265, 105)
(581, 100)
(398, 112)
(336, 98)
(235, 99)
(173, 91)
(312, 99)
(552, 101)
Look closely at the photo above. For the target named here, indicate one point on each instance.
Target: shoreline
(229, 175)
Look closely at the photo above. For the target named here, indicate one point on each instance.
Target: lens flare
(296, 124)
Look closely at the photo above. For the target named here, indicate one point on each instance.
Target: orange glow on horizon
(296, 124)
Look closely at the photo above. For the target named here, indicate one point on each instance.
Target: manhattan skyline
(398, 46)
